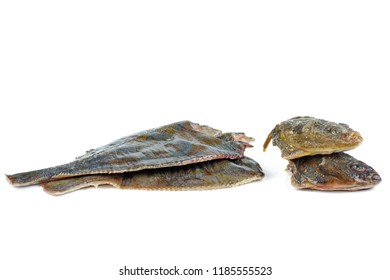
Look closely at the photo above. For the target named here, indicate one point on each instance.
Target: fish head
(363, 174)
(341, 171)
(334, 172)
(337, 136)
(303, 136)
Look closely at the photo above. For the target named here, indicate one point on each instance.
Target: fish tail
(30, 178)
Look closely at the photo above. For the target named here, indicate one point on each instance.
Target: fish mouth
(367, 179)
(352, 139)
(375, 178)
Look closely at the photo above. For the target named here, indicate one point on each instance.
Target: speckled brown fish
(215, 174)
(304, 136)
(337, 171)
(177, 144)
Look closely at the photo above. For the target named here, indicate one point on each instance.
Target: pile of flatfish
(179, 156)
(315, 151)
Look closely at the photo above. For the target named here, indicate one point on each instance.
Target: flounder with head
(337, 171)
(305, 136)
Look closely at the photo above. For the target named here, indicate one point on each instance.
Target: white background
(75, 75)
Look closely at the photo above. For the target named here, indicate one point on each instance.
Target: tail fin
(31, 178)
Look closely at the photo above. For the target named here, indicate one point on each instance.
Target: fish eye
(358, 167)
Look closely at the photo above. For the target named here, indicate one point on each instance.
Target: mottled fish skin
(304, 136)
(337, 171)
(216, 174)
(176, 144)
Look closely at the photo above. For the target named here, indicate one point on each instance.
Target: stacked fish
(315, 151)
(179, 156)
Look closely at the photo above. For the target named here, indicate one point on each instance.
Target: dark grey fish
(337, 171)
